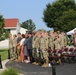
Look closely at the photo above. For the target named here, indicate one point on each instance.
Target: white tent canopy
(71, 32)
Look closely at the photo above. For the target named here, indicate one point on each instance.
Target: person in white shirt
(22, 48)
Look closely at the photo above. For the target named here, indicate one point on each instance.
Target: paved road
(30, 69)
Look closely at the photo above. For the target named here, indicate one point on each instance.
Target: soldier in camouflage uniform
(51, 40)
(36, 46)
(33, 39)
(43, 48)
(11, 46)
(63, 40)
(74, 33)
(57, 48)
(46, 39)
(57, 43)
(75, 38)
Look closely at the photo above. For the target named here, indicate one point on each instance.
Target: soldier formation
(34, 46)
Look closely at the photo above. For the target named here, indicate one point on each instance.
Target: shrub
(4, 35)
(2, 38)
(10, 71)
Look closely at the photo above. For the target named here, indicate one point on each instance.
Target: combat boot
(45, 65)
(59, 61)
(34, 63)
(19, 58)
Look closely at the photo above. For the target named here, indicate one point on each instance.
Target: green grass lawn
(4, 54)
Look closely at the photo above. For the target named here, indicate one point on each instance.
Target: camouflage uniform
(36, 45)
(57, 44)
(11, 47)
(14, 48)
(74, 35)
(42, 44)
(57, 48)
(46, 39)
(63, 40)
(51, 41)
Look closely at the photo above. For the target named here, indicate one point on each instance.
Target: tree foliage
(61, 15)
(28, 24)
(1, 25)
(3, 32)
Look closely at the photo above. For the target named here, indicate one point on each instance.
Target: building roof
(10, 23)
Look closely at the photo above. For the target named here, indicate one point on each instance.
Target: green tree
(3, 32)
(67, 21)
(28, 24)
(1, 24)
(60, 15)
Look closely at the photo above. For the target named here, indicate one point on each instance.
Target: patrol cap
(51, 31)
(34, 31)
(42, 30)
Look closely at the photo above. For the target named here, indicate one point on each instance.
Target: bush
(10, 71)
(2, 38)
(4, 35)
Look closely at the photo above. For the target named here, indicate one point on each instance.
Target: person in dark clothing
(29, 46)
(26, 54)
(19, 38)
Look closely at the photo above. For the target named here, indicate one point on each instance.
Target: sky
(24, 10)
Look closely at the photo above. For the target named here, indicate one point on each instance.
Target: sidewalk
(3, 65)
